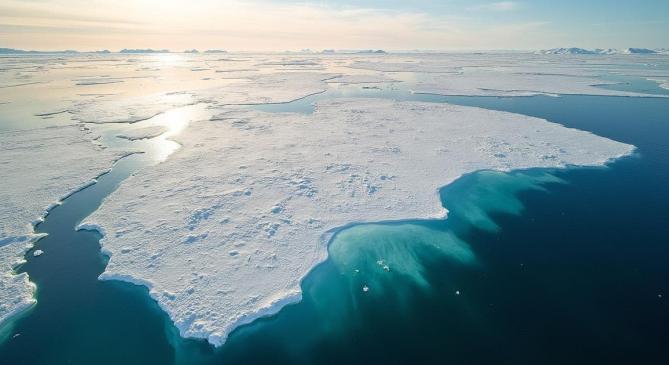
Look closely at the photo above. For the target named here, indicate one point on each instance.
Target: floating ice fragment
(457, 292)
(365, 288)
(38, 253)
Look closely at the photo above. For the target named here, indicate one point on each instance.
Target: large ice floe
(225, 230)
(39, 167)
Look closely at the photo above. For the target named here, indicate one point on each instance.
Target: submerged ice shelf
(225, 230)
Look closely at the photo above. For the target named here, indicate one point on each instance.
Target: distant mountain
(148, 50)
(21, 51)
(378, 51)
(638, 51)
(598, 51)
(14, 51)
(191, 51)
(215, 51)
(607, 51)
(567, 51)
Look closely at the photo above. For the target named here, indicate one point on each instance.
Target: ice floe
(273, 187)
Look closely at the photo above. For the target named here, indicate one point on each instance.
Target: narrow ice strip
(143, 133)
(361, 79)
(224, 231)
(39, 168)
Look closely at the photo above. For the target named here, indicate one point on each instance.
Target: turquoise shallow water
(531, 267)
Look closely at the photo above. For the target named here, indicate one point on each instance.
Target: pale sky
(277, 25)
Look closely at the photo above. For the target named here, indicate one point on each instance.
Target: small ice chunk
(457, 292)
(38, 253)
(365, 288)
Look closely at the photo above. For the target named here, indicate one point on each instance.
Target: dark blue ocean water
(532, 267)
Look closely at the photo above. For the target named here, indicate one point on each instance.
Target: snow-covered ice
(273, 187)
(39, 168)
(16, 290)
(490, 83)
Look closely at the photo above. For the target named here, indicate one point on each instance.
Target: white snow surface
(16, 290)
(32, 182)
(224, 231)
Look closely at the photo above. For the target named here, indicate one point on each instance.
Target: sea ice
(483, 83)
(16, 290)
(273, 187)
(39, 168)
(225, 229)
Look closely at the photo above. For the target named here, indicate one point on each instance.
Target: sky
(277, 25)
